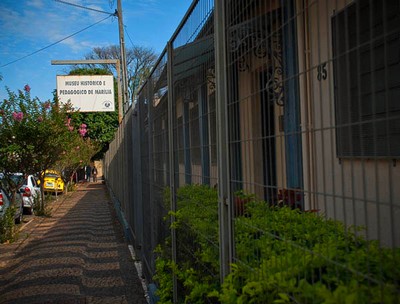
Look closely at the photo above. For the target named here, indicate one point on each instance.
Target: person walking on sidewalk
(88, 172)
(94, 173)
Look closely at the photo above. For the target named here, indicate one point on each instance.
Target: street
(78, 255)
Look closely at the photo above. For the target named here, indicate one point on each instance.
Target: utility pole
(122, 54)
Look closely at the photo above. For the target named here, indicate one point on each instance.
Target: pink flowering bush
(34, 136)
(18, 116)
(68, 125)
(83, 130)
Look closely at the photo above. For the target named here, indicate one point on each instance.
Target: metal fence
(273, 103)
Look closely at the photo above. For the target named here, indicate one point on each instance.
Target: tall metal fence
(290, 110)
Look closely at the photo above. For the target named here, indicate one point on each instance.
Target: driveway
(78, 255)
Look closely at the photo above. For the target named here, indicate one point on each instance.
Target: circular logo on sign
(107, 103)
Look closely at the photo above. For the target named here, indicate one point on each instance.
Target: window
(366, 53)
(212, 128)
(194, 133)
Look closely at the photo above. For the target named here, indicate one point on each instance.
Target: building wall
(99, 165)
(357, 191)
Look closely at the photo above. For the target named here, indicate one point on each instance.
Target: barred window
(195, 134)
(366, 52)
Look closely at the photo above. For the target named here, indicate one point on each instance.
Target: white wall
(357, 191)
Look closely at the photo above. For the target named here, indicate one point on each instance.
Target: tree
(139, 61)
(29, 131)
(78, 152)
(101, 126)
(34, 135)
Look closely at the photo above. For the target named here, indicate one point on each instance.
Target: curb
(26, 224)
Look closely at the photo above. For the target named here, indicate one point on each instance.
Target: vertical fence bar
(171, 160)
(224, 206)
(137, 180)
(151, 202)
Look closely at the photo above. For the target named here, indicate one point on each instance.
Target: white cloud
(77, 46)
(36, 3)
(39, 23)
(144, 8)
(36, 20)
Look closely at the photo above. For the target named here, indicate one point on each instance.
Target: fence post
(149, 94)
(224, 205)
(171, 159)
(137, 176)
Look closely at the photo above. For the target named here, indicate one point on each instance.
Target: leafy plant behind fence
(282, 256)
(196, 226)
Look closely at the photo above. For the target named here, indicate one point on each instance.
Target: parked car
(53, 182)
(6, 202)
(29, 189)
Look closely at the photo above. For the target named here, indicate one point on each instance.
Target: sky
(41, 26)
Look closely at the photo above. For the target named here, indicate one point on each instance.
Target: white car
(29, 189)
(6, 201)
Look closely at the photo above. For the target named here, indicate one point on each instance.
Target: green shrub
(7, 226)
(285, 256)
(281, 256)
(196, 228)
(42, 209)
(70, 187)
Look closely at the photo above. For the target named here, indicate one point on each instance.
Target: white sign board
(87, 93)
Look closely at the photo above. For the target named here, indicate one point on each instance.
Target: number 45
(322, 72)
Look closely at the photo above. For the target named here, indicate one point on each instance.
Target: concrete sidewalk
(78, 255)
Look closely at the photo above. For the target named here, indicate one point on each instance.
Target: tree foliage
(37, 136)
(101, 126)
(33, 133)
(139, 61)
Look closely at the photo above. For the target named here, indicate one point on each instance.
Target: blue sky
(27, 26)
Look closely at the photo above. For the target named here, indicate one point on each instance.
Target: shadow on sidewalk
(79, 255)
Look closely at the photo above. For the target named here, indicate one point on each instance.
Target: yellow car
(53, 182)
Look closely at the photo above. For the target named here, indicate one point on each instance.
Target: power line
(126, 31)
(46, 47)
(85, 7)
